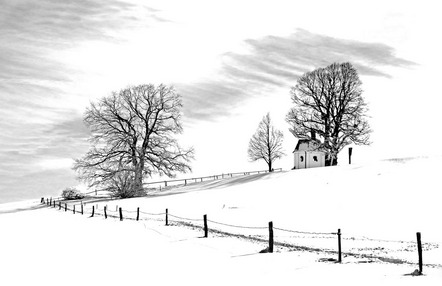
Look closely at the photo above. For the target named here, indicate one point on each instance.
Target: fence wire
(189, 219)
(238, 226)
(155, 214)
(305, 232)
(395, 251)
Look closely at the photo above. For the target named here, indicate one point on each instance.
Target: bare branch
(328, 101)
(266, 143)
(133, 133)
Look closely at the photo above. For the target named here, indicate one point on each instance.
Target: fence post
(185, 182)
(47, 201)
(121, 214)
(74, 210)
(81, 208)
(419, 251)
(59, 205)
(50, 202)
(65, 207)
(339, 246)
(105, 212)
(93, 211)
(350, 149)
(167, 217)
(138, 213)
(206, 229)
(42, 200)
(270, 237)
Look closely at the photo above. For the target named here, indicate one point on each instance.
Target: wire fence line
(231, 225)
(296, 239)
(184, 218)
(170, 215)
(185, 181)
(180, 182)
(156, 214)
(237, 226)
(306, 232)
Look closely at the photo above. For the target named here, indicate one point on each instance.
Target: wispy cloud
(59, 23)
(41, 131)
(31, 30)
(276, 61)
(39, 127)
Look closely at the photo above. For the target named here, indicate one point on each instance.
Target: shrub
(123, 186)
(71, 194)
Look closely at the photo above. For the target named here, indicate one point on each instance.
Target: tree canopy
(132, 136)
(266, 143)
(328, 102)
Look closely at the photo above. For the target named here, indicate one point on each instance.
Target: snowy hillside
(379, 208)
(390, 199)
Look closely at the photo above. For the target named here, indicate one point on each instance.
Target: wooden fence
(184, 182)
(206, 178)
(203, 224)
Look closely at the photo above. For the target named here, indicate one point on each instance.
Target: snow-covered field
(378, 207)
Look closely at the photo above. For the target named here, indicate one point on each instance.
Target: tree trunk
(331, 159)
(328, 159)
(138, 181)
(270, 166)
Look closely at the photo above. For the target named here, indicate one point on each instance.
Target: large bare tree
(328, 102)
(266, 143)
(133, 136)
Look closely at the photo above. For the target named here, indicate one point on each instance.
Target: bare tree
(328, 102)
(133, 137)
(266, 143)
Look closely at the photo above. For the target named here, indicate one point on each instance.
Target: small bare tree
(266, 143)
(133, 137)
(328, 102)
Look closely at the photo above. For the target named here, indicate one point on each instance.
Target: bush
(125, 190)
(71, 194)
(123, 186)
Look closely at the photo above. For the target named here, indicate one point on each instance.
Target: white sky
(232, 62)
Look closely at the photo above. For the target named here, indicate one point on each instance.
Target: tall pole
(350, 151)
(419, 250)
(339, 246)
